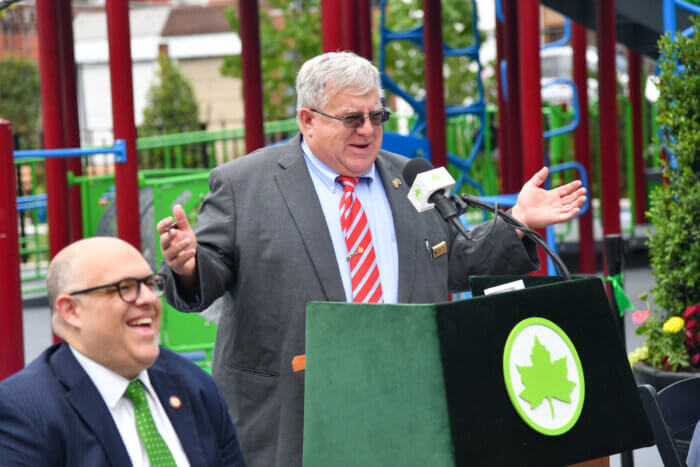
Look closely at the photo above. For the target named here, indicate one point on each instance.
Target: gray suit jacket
(263, 243)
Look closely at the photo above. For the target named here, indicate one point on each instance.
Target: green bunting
(622, 300)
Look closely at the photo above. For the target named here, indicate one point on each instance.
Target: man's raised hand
(179, 244)
(538, 208)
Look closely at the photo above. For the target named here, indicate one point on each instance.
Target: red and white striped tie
(364, 272)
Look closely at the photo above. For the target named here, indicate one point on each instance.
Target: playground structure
(78, 198)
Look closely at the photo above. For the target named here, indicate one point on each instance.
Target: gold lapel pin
(175, 402)
(396, 182)
(439, 249)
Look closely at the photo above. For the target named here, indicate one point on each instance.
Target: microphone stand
(464, 201)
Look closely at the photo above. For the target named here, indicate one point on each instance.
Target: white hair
(334, 71)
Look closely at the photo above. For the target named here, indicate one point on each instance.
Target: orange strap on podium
(299, 363)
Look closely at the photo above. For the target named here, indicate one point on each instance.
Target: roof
(142, 22)
(185, 21)
(189, 32)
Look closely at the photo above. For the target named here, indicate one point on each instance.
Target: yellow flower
(674, 324)
(640, 353)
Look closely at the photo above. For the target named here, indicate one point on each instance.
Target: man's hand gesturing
(179, 245)
(538, 208)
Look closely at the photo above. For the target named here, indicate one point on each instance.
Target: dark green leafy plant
(171, 107)
(170, 103)
(404, 60)
(293, 35)
(287, 39)
(674, 246)
(20, 93)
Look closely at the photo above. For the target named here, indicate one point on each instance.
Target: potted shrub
(672, 330)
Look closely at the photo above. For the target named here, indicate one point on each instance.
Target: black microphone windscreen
(414, 167)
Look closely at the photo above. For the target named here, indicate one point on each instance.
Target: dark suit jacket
(52, 414)
(264, 244)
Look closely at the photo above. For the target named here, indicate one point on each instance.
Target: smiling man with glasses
(108, 394)
(326, 217)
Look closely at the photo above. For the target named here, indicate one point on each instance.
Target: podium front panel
(424, 384)
(374, 389)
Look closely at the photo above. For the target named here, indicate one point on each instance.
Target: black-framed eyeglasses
(356, 120)
(129, 289)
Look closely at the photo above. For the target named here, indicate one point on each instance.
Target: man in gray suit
(269, 239)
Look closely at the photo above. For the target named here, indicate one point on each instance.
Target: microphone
(427, 183)
(430, 188)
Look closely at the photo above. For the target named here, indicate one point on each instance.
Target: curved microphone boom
(430, 188)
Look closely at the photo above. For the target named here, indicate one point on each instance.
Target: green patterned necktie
(157, 450)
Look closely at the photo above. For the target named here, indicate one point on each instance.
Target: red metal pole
(11, 343)
(434, 86)
(530, 97)
(503, 152)
(364, 14)
(71, 129)
(640, 190)
(126, 181)
(252, 76)
(350, 27)
(607, 110)
(513, 162)
(331, 25)
(587, 258)
(52, 116)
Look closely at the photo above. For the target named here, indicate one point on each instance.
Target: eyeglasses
(356, 120)
(129, 289)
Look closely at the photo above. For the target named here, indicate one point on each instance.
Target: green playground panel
(95, 191)
(181, 332)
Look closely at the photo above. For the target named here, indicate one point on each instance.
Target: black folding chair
(673, 410)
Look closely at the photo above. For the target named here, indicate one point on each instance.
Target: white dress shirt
(111, 387)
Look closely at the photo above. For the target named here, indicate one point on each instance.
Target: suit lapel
(182, 419)
(84, 397)
(302, 201)
(406, 240)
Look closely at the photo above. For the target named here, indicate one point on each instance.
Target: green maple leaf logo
(545, 379)
(416, 193)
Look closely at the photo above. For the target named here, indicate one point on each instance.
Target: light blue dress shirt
(371, 194)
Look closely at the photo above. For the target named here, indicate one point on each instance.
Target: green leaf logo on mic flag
(543, 376)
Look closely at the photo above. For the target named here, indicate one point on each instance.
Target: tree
(293, 35)
(288, 38)
(20, 93)
(171, 107)
(170, 103)
(404, 60)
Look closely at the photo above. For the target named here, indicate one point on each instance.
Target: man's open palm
(538, 208)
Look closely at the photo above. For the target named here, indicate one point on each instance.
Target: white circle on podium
(543, 376)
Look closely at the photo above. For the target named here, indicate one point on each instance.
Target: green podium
(537, 376)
